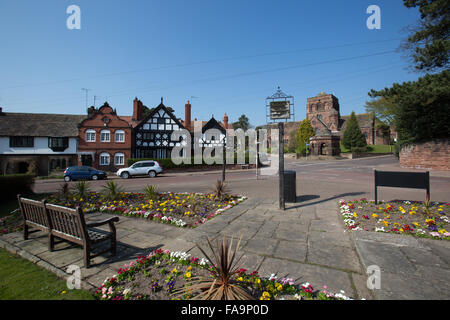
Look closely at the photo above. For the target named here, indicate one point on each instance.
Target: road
(316, 181)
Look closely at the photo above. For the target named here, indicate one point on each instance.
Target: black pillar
(281, 163)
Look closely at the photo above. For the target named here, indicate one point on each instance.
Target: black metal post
(281, 163)
(223, 162)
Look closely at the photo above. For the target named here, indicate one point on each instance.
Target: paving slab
(334, 256)
(294, 235)
(261, 246)
(407, 287)
(323, 239)
(291, 250)
(389, 258)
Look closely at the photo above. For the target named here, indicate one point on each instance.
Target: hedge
(13, 184)
(168, 164)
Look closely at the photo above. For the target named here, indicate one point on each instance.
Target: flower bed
(180, 209)
(158, 275)
(422, 219)
(11, 223)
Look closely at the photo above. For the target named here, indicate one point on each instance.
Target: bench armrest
(103, 222)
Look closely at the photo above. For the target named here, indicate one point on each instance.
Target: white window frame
(104, 132)
(88, 133)
(104, 155)
(120, 133)
(121, 156)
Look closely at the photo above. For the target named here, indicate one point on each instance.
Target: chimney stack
(91, 111)
(225, 121)
(137, 110)
(187, 116)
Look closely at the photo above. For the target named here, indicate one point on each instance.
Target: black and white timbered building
(153, 134)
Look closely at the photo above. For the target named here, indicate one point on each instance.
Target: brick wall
(427, 155)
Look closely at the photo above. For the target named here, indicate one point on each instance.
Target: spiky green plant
(427, 205)
(220, 190)
(64, 191)
(222, 285)
(112, 190)
(82, 189)
(193, 202)
(151, 192)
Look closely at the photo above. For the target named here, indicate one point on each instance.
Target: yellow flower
(265, 296)
(355, 215)
(187, 275)
(412, 212)
(416, 224)
(279, 286)
(258, 281)
(442, 231)
(374, 215)
(174, 270)
(189, 268)
(64, 292)
(385, 223)
(240, 279)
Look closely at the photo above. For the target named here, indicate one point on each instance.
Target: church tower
(324, 107)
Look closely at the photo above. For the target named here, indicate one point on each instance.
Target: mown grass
(22, 280)
(381, 148)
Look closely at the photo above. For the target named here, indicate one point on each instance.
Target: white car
(149, 168)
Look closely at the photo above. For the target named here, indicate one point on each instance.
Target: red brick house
(104, 139)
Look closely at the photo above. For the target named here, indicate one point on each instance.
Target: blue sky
(228, 55)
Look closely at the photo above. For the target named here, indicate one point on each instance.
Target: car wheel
(152, 174)
(94, 177)
(124, 175)
(67, 179)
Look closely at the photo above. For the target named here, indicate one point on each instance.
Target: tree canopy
(353, 138)
(383, 108)
(305, 131)
(242, 123)
(422, 107)
(429, 45)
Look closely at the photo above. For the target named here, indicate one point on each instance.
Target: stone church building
(323, 111)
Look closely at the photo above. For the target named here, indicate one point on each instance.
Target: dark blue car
(83, 173)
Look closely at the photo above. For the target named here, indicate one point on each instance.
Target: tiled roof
(39, 124)
(364, 121)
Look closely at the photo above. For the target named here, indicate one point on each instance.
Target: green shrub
(13, 184)
(168, 164)
(112, 190)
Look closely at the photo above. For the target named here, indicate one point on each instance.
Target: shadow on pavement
(305, 198)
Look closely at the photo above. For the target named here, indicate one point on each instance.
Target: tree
(429, 45)
(305, 131)
(242, 123)
(146, 110)
(383, 108)
(353, 138)
(293, 143)
(422, 112)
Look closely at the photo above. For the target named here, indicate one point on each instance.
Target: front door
(86, 160)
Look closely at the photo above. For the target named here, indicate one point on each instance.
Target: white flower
(126, 291)
(273, 277)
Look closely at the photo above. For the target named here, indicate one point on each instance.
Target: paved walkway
(306, 242)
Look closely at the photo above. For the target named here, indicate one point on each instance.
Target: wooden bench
(34, 215)
(69, 225)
